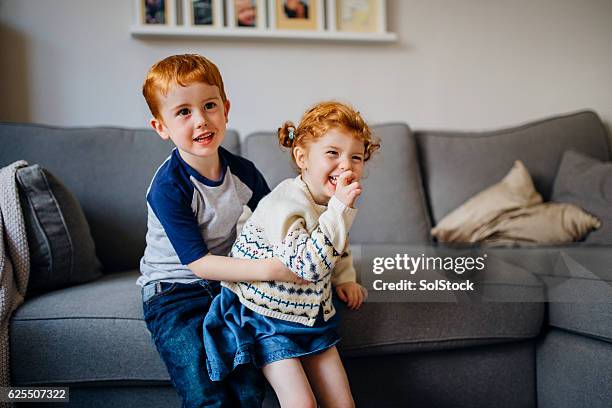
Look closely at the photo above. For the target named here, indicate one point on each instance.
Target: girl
(290, 329)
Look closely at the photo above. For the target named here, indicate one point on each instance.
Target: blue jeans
(174, 313)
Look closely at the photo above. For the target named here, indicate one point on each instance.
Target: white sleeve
(345, 270)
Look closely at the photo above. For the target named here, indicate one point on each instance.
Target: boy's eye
(331, 153)
(183, 112)
(357, 158)
(210, 105)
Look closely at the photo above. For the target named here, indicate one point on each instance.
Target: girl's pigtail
(286, 134)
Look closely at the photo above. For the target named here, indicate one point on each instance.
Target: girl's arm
(344, 280)
(312, 256)
(345, 270)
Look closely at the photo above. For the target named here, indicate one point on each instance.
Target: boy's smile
(194, 117)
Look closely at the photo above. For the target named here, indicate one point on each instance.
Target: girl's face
(323, 160)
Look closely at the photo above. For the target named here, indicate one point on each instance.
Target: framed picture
(156, 12)
(362, 16)
(203, 13)
(296, 14)
(246, 14)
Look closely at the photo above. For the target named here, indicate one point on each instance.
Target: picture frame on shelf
(156, 12)
(296, 14)
(360, 16)
(203, 13)
(247, 14)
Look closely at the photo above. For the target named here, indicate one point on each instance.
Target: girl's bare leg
(290, 383)
(328, 379)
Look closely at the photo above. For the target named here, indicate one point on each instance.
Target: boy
(194, 202)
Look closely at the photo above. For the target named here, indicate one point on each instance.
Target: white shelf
(140, 30)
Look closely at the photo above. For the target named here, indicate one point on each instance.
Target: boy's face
(194, 118)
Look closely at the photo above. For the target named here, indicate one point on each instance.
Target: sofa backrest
(107, 169)
(392, 208)
(457, 165)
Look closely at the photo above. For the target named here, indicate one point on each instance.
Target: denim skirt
(234, 335)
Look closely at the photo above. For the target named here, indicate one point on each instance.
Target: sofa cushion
(457, 165)
(580, 289)
(54, 336)
(577, 280)
(587, 183)
(62, 252)
(87, 333)
(400, 327)
(107, 169)
(392, 185)
(573, 371)
(506, 305)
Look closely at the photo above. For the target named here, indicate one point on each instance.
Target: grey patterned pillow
(587, 182)
(62, 251)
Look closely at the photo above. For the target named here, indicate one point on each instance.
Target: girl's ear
(299, 153)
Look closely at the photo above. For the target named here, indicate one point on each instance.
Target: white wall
(459, 64)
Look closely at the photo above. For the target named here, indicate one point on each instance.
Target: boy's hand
(347, 189)
(351, 293)
(274, 269)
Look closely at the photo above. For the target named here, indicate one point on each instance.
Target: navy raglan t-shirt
(190, 216)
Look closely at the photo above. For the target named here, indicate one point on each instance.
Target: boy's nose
(200, 120)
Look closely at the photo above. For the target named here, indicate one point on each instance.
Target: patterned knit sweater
(310, 239)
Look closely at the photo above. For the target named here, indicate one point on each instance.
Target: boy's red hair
(182, 70)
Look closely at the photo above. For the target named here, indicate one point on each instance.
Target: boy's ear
(226, 105)
(159, 127)
(300, 157)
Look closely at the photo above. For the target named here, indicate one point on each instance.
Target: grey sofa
(92, 338)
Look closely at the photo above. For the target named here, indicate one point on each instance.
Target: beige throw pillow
(514, 191)
(544, 224)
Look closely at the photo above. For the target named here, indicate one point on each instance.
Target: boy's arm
(215, 267)
(171, 205)
(181, 227)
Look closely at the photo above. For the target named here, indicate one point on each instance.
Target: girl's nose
(345, 165)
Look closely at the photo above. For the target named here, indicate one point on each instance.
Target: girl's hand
(347, 189)
(351, 293)
(274, 269)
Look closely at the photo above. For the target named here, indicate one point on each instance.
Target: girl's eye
(210, 105)
(357, 158)
(331, 152)
(183, 112)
